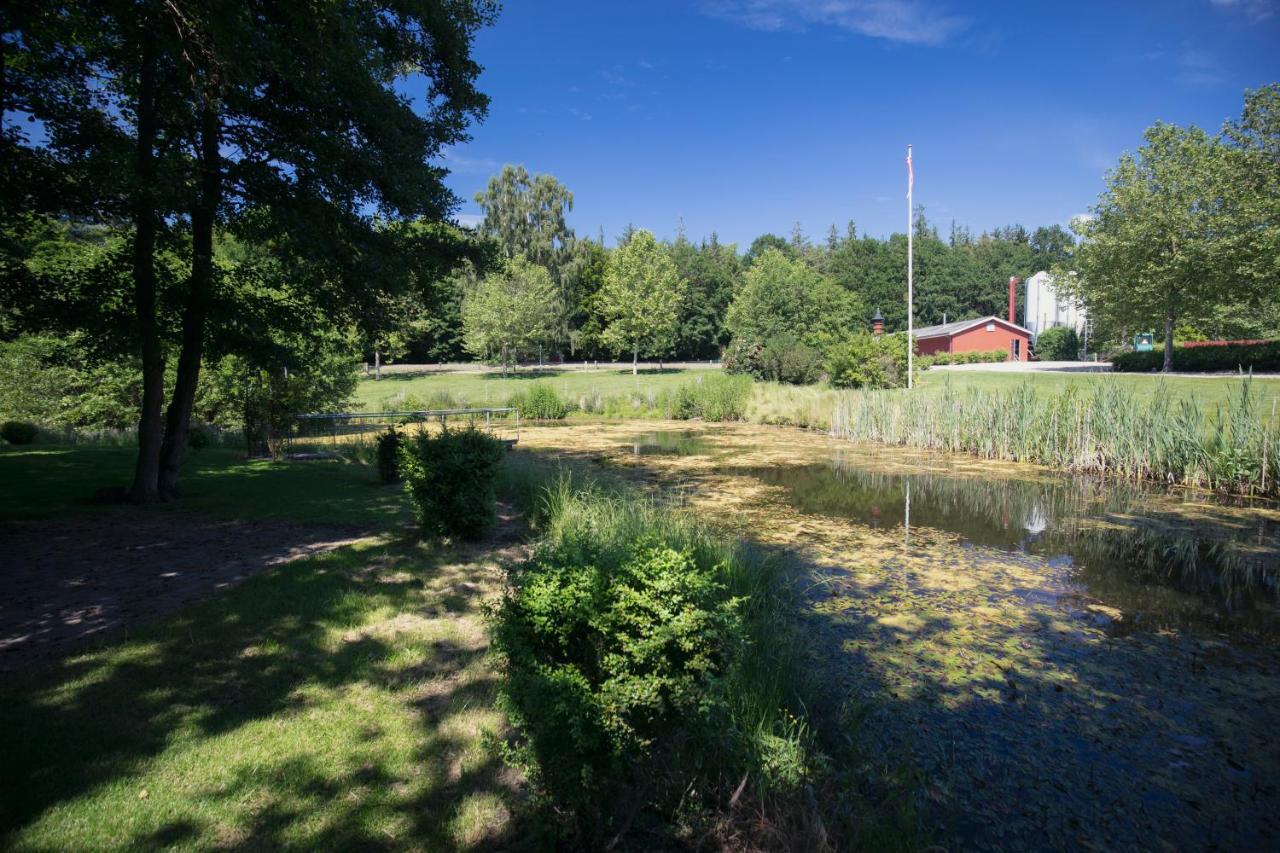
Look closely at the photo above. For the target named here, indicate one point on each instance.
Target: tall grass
(1107, 430)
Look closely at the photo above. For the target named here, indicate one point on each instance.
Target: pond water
(1162, 560)
(1042, 661)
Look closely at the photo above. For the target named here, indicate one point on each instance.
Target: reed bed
(1107, 430)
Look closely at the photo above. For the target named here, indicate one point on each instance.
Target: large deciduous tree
(1187, 225)
(780, 296)
(640, 298)
(509, 311)
(195, 112)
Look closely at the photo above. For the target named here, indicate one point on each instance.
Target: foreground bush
(450, 480)
(540, 403)
(631, 680)
(18, 432)
(868, 361)
(1204, 358)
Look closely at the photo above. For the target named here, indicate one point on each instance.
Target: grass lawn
(43, 480)
(492, 389)
(336, 702)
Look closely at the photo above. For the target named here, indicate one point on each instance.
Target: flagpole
(910, 295)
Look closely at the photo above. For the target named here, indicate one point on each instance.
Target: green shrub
(1058, 344)
(540, 403)
(868, 361)
(712, 398)
(199, 437)
(782, 358)
(629, 677)
(450, 480)
(1205, 358)
(390, 445)
(18, 432)
(785, 358)
(741, 357)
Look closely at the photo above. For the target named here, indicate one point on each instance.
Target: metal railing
(342, 426)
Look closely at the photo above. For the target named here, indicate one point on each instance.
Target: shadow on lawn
(377, 642)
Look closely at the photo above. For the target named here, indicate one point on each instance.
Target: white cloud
(1200, 68)
(468, 220)
(908, 21)
(1255, 10)
(464, 165)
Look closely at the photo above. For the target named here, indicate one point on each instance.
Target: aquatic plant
(1107, 430)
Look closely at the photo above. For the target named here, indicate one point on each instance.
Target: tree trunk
(1168, 342)
(377, 366)
(203, 214)
(146, 473)
(635, 361)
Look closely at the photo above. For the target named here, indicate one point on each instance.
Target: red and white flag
(911, 174)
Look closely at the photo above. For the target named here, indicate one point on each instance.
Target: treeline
(568, 311)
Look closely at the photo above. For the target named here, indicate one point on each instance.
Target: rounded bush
(18, 432)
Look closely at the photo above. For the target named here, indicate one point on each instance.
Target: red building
(981, 335)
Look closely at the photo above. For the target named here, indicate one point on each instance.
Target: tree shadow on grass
(335, 702)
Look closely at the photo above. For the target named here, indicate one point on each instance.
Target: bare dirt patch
(65, 582)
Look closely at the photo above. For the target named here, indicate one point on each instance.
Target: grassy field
(336, 702)
(41, 480)
(772, 402)
(492, 389)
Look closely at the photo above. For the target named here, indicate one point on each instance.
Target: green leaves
(511, 311)
(640, 297)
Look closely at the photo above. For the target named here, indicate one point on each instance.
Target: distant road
(564, 367)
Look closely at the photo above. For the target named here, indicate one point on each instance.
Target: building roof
(946, 330)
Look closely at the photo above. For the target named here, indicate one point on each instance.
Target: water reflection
(1163, 561)
(671, 443)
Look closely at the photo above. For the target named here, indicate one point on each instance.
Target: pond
(1049, 661)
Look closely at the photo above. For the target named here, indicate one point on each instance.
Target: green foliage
(1058, 344)
(389, 449)
(1106, 429)
(450, 480)
(924, 362)
(18, 432)
(629, 680)
(785, 358)
(781, 297)
(1198, 359)
(867, 361)
(1188, 227)
(540, 402)
(711, 398)
(640, 298)
(511, 311)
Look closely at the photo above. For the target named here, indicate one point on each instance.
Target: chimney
(1013, 299)
(877, 324)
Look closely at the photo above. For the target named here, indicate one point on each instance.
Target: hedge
(1204, 359)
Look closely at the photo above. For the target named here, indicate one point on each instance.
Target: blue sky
(746, 116)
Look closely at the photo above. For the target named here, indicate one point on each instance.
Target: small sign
(1144, 341)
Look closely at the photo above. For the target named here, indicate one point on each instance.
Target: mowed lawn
(340, 701)
(482, 389)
